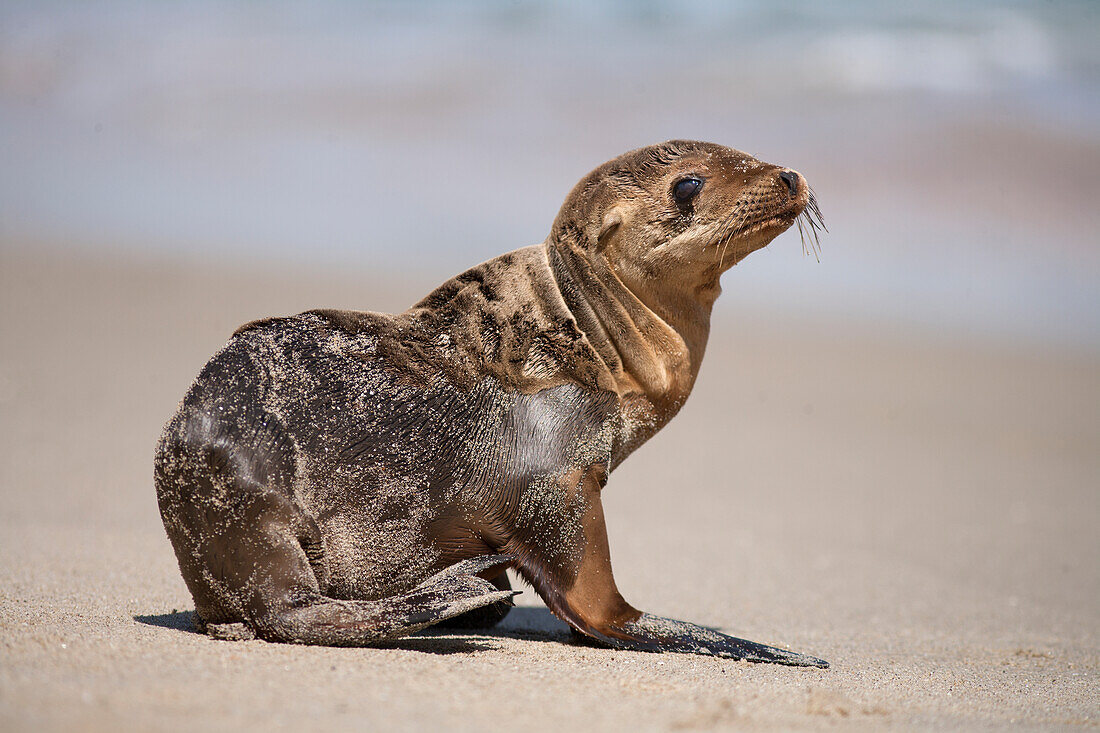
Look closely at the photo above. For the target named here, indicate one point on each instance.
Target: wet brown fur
(326, 469)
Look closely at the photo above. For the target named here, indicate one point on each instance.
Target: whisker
(808, 232)
(815, 222)
(810, 223)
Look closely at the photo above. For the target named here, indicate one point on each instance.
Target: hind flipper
(486, 616)
(330, 622)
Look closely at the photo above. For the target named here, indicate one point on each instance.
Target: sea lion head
(681, 213)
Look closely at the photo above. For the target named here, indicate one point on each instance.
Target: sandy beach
(920, 511)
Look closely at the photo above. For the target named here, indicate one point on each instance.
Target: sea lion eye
(685, 189)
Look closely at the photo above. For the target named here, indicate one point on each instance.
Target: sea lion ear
(611, 221)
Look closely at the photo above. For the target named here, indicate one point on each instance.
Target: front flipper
(585, 596)
(656, 634)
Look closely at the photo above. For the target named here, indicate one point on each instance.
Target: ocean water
(954, 147)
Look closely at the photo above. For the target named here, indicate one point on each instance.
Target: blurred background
(954, 147)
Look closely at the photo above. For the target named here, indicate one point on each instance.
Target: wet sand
(918, 510)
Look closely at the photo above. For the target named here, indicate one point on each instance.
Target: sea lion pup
(345, 478)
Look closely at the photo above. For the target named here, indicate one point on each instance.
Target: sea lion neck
(649, 346)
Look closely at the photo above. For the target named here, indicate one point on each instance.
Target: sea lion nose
(791, 179)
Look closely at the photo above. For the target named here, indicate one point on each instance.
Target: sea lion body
(344, 477)
(390, 434)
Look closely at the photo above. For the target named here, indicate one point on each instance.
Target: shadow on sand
(178, 620)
